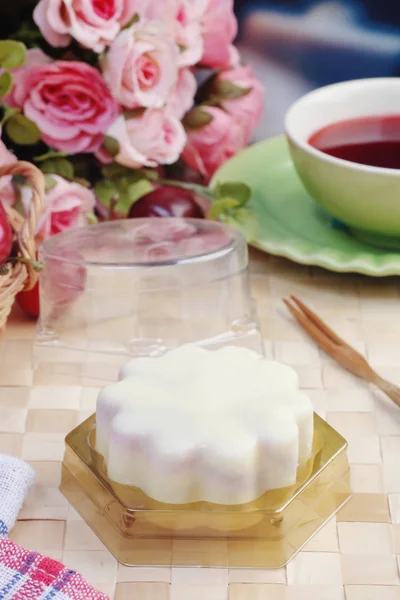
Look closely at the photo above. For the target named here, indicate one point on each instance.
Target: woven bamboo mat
(354, 557)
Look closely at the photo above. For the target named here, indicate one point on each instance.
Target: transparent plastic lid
(142, 286)
(153, 242)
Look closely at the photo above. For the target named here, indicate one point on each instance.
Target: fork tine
(318, 335)
(319, 322)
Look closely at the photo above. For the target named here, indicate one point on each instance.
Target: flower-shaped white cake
(221, 426)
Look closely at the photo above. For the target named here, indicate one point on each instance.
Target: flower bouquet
(128, 107)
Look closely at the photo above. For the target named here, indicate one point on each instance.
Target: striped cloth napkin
(26, 575)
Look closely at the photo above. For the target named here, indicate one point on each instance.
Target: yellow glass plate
(262, 534)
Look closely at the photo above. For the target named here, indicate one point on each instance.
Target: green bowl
(366, 199)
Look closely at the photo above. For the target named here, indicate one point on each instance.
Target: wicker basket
(21, 276)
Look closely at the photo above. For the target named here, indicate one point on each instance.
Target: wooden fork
(337, 348)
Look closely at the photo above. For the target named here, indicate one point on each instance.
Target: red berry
(29, 301)
(167, 201)
(63, 283)
(5, 236)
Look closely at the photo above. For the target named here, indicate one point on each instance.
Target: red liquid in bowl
(373, 141)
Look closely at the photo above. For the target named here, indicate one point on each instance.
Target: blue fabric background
(362, 39)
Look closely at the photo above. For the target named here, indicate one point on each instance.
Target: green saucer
(291, 224)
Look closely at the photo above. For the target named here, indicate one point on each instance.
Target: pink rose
(184, 19)
(154, 138)
(7, 191)
(141, 66)
(219, 31)
(92, 23)
(181, 97)
(248, 107)
(208, 147)
(17, 95)
(66, 206)
(70, 103)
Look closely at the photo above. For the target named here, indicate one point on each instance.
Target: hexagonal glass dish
(265, 533)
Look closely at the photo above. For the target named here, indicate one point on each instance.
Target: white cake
(221, 426)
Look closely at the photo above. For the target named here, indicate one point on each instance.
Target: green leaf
(50, 154)
(244, 220)
(6, 83)
(123, 183)
(197, 118)
(150, 174)
(22, 131)
(233, 189)
(139, 189)
(123, 203)
(12, 54)
(227, 90)
(58, 166)
(114, 170)
(123, 190)
(219, 207)
(111, 145)
(26, 32)
(106, 190)
(50, 182)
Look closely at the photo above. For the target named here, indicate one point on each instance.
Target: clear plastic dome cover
(141, 286)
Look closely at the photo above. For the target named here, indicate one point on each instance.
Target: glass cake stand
(266, 533)
(139, 287)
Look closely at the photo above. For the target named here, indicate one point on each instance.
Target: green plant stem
(8, 113)
(37, 266)
(193, 187)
